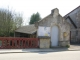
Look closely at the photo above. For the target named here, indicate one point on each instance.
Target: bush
(67, 46)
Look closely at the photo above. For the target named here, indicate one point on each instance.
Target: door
(54, 36)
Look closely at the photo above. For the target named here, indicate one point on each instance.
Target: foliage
(67, 46)
(34, 18)
(7, 22)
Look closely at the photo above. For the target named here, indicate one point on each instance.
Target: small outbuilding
(28, 31)
(53, 30)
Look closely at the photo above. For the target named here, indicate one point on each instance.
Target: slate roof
(71, 12)
(29, 29)
(74, 17)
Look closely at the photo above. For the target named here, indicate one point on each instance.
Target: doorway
(54, 36)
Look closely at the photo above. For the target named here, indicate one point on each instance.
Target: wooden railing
(18, 43)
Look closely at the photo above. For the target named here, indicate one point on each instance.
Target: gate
(75, 37)
(18, 43)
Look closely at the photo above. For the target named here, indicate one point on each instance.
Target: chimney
(55, 12)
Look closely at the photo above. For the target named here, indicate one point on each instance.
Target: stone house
(73, 18)
(59, 31)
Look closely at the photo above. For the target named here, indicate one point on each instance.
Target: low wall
(64, 43)
(44, 43)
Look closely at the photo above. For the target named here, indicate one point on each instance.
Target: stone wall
(55, 19)
(44, 43)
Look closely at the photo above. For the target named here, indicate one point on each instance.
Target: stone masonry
(55, 19)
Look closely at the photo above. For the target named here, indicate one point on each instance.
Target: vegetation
(9, 21)
(34, 18)
(67, 46)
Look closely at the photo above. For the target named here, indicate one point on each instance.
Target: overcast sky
(44, 7)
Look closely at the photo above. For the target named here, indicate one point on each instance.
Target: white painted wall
(43, 31)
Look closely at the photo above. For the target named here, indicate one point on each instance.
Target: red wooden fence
(15, 42)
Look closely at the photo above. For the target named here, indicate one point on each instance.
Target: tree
(18, 20)
(7, 22)
(34, 18)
